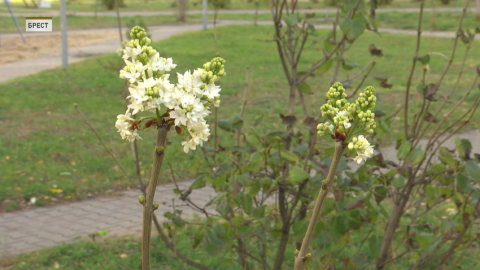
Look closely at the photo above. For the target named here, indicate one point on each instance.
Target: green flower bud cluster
(367, 121)
(348, 118)
(152, 92)
(326, 129)
(366, 100)
(329, 111)
(139, 36)
(337, 97)
(214, 69)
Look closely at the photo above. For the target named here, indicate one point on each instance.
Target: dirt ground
(13, 49)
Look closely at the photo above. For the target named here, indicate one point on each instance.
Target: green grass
(45, 144)
(444, 21)
(110, 254)
(235, 4)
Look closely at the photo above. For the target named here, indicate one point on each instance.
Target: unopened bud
(155, 206)
(308, 256)
(141, 200)
(159, 149)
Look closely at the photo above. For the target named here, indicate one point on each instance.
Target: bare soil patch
(13, 49)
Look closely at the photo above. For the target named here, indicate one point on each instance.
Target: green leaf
(234, 124)
(374, 245)
(353, 28)
(415, 156)
(219, 181)
(447, 158)
(304, 88)
(253, 140)
(290, 156)
(325, 67)
(422, 241)
(259, 212)
(299, 228)
(198, 183)
(463, 184)
(380, 193)
(223, 209)
(291, 20)
(404, 150)
(245, 201)
(399, 182)
(297, 175)
(424, 59)
(102, 233)
(473, 171)
(464, 148)
(349, 66)
(255, 163)
(329, 44)
(225, 124)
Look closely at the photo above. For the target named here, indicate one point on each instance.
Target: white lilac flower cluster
(188, 102)
(346, 120)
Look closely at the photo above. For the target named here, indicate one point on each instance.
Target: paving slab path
(30, 230)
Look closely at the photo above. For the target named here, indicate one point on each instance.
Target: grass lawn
(442, 21)
(235, 4)
(47, 151)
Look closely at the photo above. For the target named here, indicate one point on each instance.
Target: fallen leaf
(85, 180)
(123, 255)
(374, 50)
(18, 188)
(56, 265)
(7, 158)
(288, 120)
(40, 161)
(55, 190)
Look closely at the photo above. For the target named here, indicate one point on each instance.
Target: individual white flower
(199, 133)
(212, 91)
(131, 53)
(124, 126)
(362, 147)
(132, 75)
(189, 82)
(179, 115)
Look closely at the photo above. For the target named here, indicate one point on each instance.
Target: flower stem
(158, 155)
(300, 260)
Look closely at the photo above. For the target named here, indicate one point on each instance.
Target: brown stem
(412, 69)
(119, 23)
(158, 155)
(215, 13)
(398, 207)
(300, 260)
